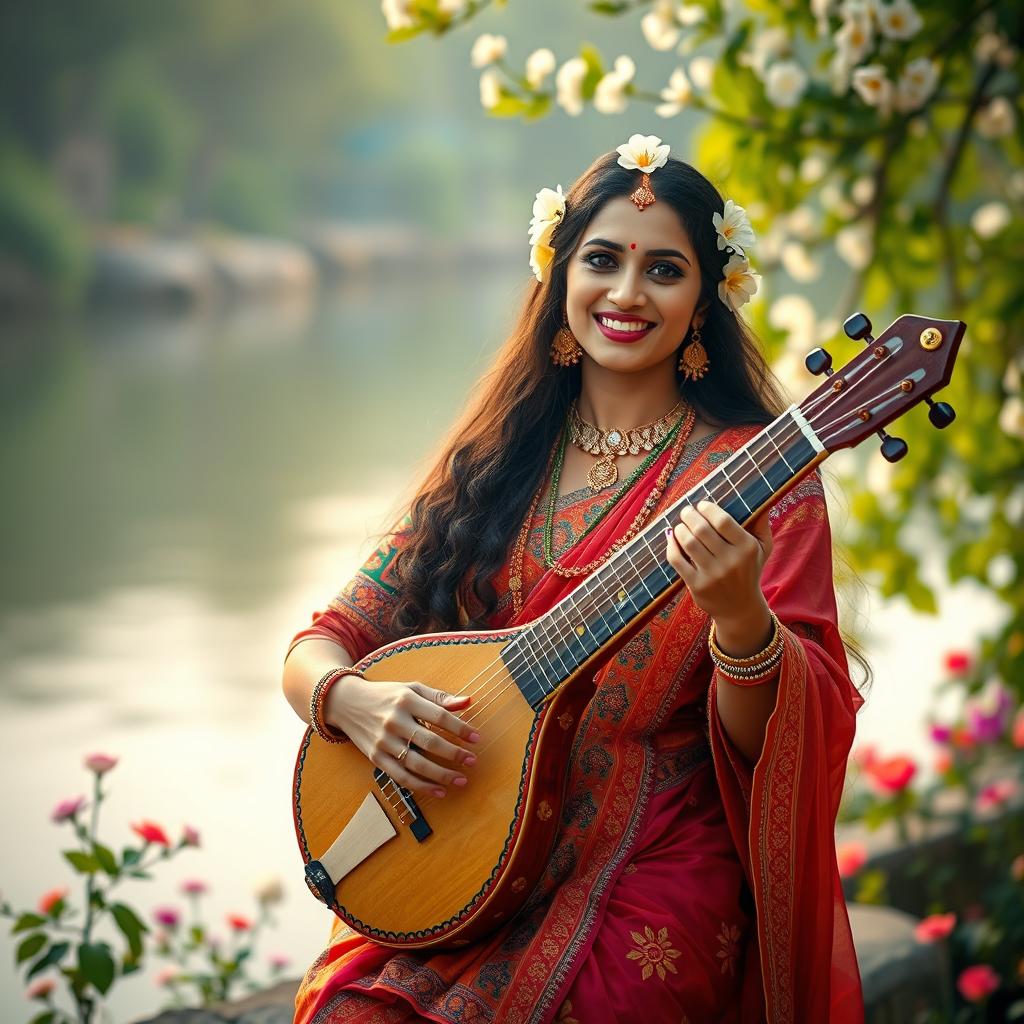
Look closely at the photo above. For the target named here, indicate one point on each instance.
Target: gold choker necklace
(610, 444)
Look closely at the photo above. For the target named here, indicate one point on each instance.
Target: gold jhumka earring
(694, 362)
(565, 349)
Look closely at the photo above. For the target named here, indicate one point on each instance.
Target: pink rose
(50, 900)
(167, 916)
(892, 775)
(166, 975)
(851, 857)
(977, 983)
(238, 922)
(995, 794)
(941, 733)
(278, 961)
(935, 927)
(67, 809)
(193, 887)
(100, 763)
(40, 988)
(189, 837)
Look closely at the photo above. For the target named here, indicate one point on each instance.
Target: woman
(693, 877)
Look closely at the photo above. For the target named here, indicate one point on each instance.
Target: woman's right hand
(381, 717)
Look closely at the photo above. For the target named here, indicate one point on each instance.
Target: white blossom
(801, 222)
(677, 94)
(690, 14)
(610, 92)
(490, 88)
(569, 85)
(785, 83)
(995, 48)
(452, 7)
(863, 190)
(996, 119)
(738, 282)
(733, 228)
(487, 49)
(659, 27)
(765, 46)
(916, 84)
(799, 263)
(988, 220)
(853, 40)
(396, 14)
(539, 65)
(702, 71)
(813, 168)
(873, 87)
(643, 153)
(1011, 417)
(898, 20)
(853, 244)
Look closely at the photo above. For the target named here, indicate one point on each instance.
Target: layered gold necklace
(610, 444)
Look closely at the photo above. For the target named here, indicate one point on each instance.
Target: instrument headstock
(904, 366)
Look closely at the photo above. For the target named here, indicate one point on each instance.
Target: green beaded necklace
(556, 474)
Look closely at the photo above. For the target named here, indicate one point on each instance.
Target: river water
(179, 493)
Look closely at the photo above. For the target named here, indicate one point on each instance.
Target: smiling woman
(692, 874)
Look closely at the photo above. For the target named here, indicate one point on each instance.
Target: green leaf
(96, 964)
(139, 874)
(131, 856)
(46, 1017)
(28, 947)
(106, 859)
(27, 921)
(197, 933)
(130, 924)
(83, 863)
(53, 956)
(609, 7)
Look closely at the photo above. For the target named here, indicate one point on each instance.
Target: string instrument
(409, 870)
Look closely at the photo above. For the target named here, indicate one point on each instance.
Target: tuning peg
(940, 414)
(858, 327)
(819, 361)
(893, 448)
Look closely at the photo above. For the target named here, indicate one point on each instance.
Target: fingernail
(474, 737)
(460, 781)
(438, 792)
(469, 760)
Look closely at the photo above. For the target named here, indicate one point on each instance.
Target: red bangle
(319, 698)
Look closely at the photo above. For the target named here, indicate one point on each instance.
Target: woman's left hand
(720, 561)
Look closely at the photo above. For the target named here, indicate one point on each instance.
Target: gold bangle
(319, 697)
(754, 660)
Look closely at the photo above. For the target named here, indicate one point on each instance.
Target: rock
(902, 978)
(271, 1006)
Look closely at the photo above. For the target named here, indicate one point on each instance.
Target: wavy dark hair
(472, 501)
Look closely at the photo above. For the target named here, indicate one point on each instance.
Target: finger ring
(405, 750)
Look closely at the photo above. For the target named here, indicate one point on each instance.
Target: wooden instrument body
(489, 841)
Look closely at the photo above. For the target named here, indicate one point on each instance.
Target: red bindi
(632, 245)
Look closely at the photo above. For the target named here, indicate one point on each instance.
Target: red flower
(977, 983)
(936, 927)
(958, 663)
(1017, 730)
(151, 833)
(49, 900)
(239, 923)
(851, 857)
(892, 775)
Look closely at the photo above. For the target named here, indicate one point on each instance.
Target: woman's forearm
(308, 661)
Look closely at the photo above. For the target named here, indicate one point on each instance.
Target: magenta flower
(995, 794)
(67, 809)
(100, 763)
(193, 887)
(167, 916)
(989, 715)
(941, 733)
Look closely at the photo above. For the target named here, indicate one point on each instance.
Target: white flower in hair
(733, 227)
(548, 210)
(738, 282)
(643, 153)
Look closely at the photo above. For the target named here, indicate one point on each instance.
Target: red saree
(677, 889)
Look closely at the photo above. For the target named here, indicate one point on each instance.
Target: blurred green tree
(874, 145)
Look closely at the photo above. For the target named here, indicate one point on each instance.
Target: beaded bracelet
(758, 667)
(319, 698)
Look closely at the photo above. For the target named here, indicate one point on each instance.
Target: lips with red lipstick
(621, 328)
